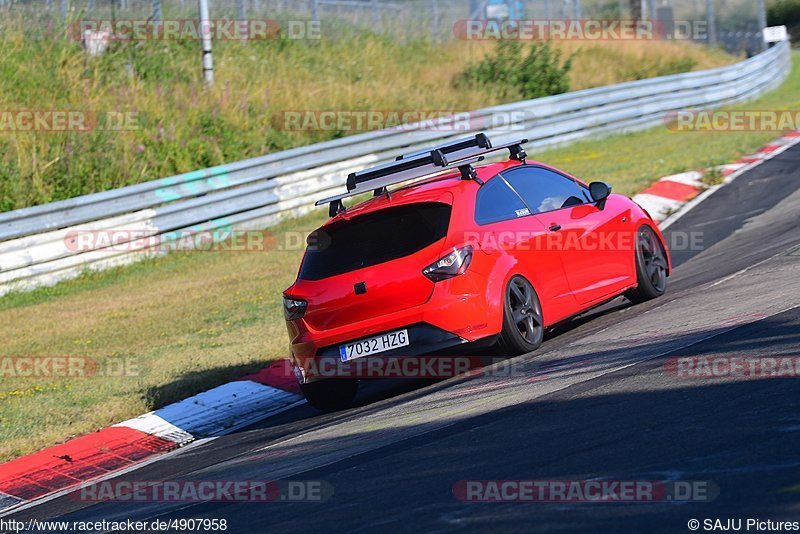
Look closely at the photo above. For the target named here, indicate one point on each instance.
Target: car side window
(496, 201)
(545, 190)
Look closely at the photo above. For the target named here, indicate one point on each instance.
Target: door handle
(555, 227)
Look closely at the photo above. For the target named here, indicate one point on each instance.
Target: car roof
(426, 190)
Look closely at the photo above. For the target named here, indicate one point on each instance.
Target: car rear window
(374, 238)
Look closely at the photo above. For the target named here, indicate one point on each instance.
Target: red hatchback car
(481, 254)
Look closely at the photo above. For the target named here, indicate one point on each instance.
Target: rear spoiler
(460, 154)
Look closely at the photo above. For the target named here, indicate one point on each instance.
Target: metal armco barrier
(35, 247)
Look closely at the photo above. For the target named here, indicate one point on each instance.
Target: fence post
(762, 23)
(712, 23)
(434, 20)
(636, 9)
(312, 4)
(376, 15)
(208, 60)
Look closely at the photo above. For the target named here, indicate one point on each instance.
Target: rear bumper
(423, 339)
(458, 312)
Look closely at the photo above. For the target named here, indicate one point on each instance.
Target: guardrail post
(762, 22)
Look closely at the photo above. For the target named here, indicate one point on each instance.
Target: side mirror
(599, 192)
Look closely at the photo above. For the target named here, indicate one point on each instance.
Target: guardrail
(36, 247)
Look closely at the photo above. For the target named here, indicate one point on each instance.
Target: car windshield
(374, 238)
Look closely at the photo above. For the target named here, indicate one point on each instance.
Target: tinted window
(373, 238)
(544, 190)
(497, 202)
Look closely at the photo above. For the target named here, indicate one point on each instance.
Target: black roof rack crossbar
(429, 156)
(514, 148)
(427, 159)
(411, 174)
(480, 140)
(423, 164)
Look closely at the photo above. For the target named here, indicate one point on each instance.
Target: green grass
(191, 321)
(184, 322)
(194, 320)
(180, 125)
(630, 162)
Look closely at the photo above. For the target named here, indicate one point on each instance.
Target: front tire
(651, 267)
(331, 394)
(523, 326)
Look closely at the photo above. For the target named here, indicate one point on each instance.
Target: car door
(589, 240)
(507, 227)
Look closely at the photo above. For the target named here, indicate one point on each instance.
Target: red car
(481, 254)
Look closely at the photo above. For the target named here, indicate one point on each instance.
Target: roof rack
(426, 171)
(480, 140)
(425, 163)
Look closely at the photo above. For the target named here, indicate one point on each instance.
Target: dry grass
(191, 321)
(194, 320)
(181, 126)
(201, 319)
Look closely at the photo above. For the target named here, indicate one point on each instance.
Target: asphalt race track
(595, 402)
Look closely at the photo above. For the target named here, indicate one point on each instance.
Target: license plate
(373, 345)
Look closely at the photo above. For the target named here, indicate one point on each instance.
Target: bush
(785, 12)
(509, 74)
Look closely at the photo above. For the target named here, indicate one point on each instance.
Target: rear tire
(651, 267)
(331, 394)
(523, 326)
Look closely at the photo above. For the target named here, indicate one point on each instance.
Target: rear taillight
(453, 264)
(293, 308)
